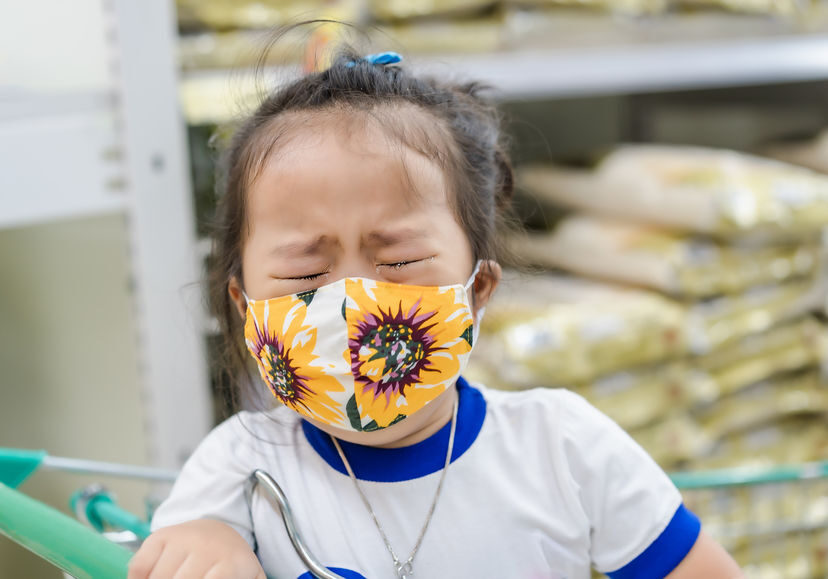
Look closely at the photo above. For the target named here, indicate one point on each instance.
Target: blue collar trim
(406, 463)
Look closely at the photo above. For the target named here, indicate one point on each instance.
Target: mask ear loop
(475, 271)
(469, 287)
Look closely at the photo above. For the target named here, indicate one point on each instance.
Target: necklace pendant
(404, 570)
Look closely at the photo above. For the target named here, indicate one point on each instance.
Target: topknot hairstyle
(452, 124)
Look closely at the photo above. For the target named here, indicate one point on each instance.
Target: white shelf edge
(84, 156)
(644, 67)
(19, 104)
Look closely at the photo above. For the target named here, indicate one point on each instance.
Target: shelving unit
(638, 68)
(617, 67)
(82, 135)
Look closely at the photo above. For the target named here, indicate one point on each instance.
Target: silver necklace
(405, 568)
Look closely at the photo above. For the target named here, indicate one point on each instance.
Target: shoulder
(556, 426)
(556, 407)
(566, 424)
(628, 501)
(273, 424)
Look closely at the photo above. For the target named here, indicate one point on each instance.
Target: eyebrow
(395, 236)
(301, 248)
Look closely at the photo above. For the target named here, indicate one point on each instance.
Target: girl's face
(333, 204)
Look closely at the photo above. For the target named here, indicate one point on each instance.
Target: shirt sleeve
(212, 484)
(638, 525)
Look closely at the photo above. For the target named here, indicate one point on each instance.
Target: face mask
(361, 354)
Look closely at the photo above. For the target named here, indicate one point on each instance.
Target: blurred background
(670, 159)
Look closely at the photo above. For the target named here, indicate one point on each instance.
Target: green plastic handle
(102, 511)
(117, 517)
(749, 476)
(61, 540)
(16, 465)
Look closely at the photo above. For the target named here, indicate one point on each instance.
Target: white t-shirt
(541, 485)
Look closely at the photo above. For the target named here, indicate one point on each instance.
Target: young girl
(356, 253)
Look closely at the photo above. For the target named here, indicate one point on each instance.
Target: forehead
(342, 160)
(390, 128)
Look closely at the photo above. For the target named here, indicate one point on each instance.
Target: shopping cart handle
(16, 465)
(59, 539)
(95, 506)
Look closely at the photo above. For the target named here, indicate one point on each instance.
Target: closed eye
(308, 277)
(398, 265)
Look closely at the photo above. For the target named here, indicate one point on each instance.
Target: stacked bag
(681, 292)
(686, 310)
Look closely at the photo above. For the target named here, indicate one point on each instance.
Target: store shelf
(61, 156)
(94, 128)
(653, 66)
(645, 67)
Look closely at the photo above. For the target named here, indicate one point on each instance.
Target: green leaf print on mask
(356, 421)
(468, 335)
(351, 408)
(307, 296)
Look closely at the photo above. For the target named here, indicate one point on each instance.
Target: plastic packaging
(637, 398)
(405, 9)
(709, 191)
(554, 330)
(619, 6)
(659, 259)
(766, 403)
(721, 321)
(228, 14)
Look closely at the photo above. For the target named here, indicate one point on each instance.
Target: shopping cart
(102, 548)
(773, 520)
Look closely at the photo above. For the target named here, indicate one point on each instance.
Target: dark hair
(461, 132)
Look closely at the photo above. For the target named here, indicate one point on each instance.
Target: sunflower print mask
(361, 354)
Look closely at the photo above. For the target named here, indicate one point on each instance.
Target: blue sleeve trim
(666, 552)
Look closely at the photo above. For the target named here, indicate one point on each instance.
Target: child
(356, 253)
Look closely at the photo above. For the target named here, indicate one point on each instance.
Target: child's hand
(198, 549)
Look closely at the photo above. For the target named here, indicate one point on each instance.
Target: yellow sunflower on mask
(404, 347)
(283, 348)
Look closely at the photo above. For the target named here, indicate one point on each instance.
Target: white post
(165, 262)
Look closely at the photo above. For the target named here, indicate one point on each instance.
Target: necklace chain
(404, 569)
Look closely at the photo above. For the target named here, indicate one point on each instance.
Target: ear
(235, 291)
(484, 284)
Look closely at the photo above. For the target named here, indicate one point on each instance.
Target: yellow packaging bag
(404, 9)
(656, 258)
(621, 6)
(770, 7)
(788, 440)
(715, 323)
(456, 36)
(230, 14)
(787, 348)
(637, 398)
(766, 403)
(554, 330)
(675, 441)
(710, 191)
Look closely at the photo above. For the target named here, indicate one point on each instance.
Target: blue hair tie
(381, 58)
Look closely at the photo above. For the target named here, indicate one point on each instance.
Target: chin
(407, 431)
(383, 437)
